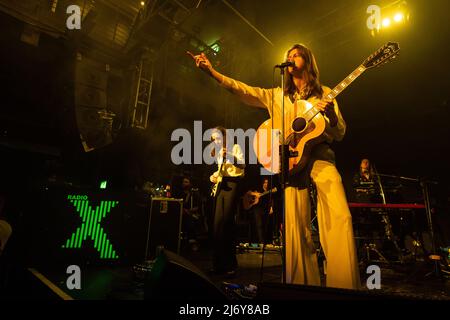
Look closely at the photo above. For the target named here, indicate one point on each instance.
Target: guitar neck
(345, 83)
(268, 191)
(220, 168)
(338, 89)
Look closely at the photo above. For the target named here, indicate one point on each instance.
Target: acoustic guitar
(251, 198)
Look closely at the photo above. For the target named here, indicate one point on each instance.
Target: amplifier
(164, 229)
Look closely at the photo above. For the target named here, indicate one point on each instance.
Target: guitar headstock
(386, 53)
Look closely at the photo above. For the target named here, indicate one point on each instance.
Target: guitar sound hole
(299, 124)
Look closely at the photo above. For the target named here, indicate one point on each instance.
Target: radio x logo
(91, 228)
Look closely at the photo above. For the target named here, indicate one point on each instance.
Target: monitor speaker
(174, 278)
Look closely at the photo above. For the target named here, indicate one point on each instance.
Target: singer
(334, 218)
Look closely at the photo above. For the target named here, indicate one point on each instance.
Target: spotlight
(393, 15)
(142, 3)
(398, 17)
(215, 47)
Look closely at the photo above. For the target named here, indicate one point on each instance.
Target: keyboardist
(365, 184)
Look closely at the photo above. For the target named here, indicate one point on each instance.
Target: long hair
(223, 131)
(370, 169)
(310, 74)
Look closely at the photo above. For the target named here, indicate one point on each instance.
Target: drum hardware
(373, 247)
(391, 236)
(415, 247)
(373, 236)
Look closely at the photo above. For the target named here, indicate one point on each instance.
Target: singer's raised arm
(252, 96)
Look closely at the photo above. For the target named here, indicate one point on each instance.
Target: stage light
(103, 184)
(385, 18)
(215, 47)
(398, 17)
(142, 3)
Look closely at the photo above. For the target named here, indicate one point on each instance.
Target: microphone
(285, 64)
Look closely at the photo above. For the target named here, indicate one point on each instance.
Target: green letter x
(91, 227)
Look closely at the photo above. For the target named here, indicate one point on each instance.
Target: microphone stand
(386, 219)
(283, 180)
(433, 256)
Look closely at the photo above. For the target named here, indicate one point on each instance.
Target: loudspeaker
(91, 101)
(174, 278)
(164, 228)
(95, 132)
(277, 291)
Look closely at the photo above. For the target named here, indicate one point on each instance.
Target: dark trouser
(224, 247)
(262, 224)
(189, 227)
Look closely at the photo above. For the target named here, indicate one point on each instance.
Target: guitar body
(300, 134)
(216, 187)
(251, 198)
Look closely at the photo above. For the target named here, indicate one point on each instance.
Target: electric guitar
(304, 129)
(251, 198)
(216, 187)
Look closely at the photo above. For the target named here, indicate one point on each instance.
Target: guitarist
(231, 165)
(335, 222)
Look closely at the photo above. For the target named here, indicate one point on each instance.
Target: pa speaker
(174, 278)
(95, 132)
(94, 121)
